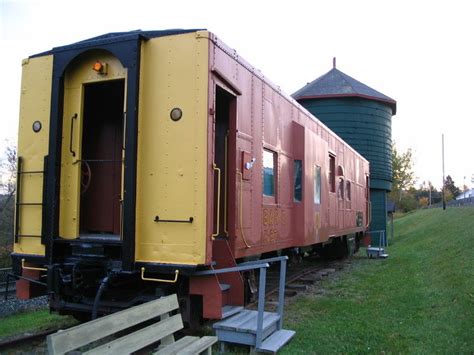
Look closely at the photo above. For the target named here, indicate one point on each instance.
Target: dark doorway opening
(101, 161)
(224, 142)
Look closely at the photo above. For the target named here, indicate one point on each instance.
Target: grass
(419, 300)
(32, 322)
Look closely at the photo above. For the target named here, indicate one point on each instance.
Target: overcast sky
(420, 53)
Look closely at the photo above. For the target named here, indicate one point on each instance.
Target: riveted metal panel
(172, 161)
(32, 148)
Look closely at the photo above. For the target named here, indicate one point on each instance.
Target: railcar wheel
(86, 177)
(341, 248)
(82, 316)
(336, 250)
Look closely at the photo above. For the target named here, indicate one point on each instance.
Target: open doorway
(101, 161)
(224, 143)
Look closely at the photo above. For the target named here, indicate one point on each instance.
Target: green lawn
(419, 300)
(33, 322)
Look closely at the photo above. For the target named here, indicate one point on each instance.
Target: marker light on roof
(99, 67)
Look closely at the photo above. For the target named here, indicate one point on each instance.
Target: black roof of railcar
(117, 37)
(337, 84)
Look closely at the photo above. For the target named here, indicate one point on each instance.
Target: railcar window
(268, 173)
(348, 190)
(332, 173)
(317, 185)
(340, 190)
(298, 187)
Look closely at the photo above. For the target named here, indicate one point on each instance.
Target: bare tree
(7, 209)
(8, 175)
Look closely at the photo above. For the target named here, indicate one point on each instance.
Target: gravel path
(14, 305)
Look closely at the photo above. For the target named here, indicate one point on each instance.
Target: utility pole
(464, 188)
(430, 188)
(442, 149)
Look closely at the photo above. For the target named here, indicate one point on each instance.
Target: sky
(420, 53)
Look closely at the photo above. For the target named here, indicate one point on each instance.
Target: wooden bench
(161, 330)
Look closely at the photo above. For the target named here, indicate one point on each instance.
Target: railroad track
(29, 341)
(298, 277)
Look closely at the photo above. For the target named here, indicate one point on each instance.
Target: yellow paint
(77, 75)
(172, 161)
(35, 105)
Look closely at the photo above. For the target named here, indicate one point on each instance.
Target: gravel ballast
(14, 305)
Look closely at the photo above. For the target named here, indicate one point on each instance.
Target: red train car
(151, 155)
(298, 185)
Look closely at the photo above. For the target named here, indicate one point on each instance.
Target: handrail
(261, 306)
(189, 220)
(176, 273)
(262, 265)
(225, 182)
(71, 135)
(218, 199)
(237, 268)
(269, 260)
(382, 237)
(31, 267)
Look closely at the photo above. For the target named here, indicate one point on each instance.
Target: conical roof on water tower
(335, 83)
(362, 117)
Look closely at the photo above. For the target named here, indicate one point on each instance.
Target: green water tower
(362, 117)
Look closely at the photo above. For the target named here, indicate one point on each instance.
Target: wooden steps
(228, 311)
(260, 330)
(276, 341)
(242, 329)
(376, 252)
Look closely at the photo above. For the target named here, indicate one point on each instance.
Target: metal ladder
(19, 204)
(378, 252)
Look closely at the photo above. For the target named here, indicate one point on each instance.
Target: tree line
(405, 195)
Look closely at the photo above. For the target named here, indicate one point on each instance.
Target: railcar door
(101, 161)
(332, 198)
(92, 147)
(224, 162)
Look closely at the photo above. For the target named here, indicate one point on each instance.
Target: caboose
(146, 156)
